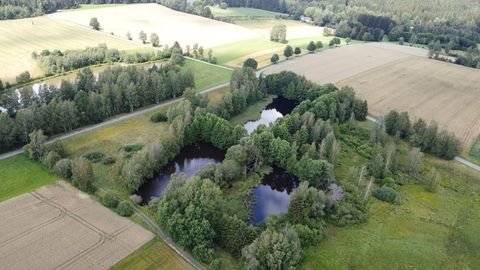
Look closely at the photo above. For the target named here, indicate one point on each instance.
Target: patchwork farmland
(402, 78)
(79, 233)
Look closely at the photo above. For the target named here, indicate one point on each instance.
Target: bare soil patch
(58, 227)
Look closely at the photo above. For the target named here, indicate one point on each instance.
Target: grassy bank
(19, 175)
(153, 255)
(252, 112)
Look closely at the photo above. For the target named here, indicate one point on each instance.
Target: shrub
(250, 62)
(110, 200)
(82, 175)
(63, 168)
(125, 209)
(51, 159)
(24, 77)
(386, 194)
(57, 146)
(94, 156)
(108, 161)
(132, 148)
(159, 117)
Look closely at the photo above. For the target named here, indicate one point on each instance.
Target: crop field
(21, 37)
(399, 77)
(57, 227)
(170, 25)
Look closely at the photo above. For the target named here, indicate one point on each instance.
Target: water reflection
(278, 108)
(190, 160)
(273, 195)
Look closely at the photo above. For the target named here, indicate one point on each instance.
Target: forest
(87, 100)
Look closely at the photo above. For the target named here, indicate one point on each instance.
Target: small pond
(273, 195)
(278, 108)
(190, 160)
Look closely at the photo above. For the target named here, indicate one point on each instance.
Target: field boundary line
(158, 231)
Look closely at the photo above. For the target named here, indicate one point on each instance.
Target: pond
(190, 160)
(278, 108)
(273, 195)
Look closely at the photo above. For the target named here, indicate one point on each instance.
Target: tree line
(87, 100)
(17, 9)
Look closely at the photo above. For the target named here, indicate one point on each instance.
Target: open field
(60, 227)
(19, 175)
(398, 77)
(430, 89)
(21, 37)
(153, 255)
(170, 25)
(427, 231)
(241, 13)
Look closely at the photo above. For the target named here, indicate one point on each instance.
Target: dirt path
(115, 120)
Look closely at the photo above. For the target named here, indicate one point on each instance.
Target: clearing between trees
(401, 78)
(79, 232)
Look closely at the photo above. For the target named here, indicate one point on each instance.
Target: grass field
(207, 75)
(20, 38)
(19, 175)
(241, 13)
(170, 25)
(153, 255)
(427, 231)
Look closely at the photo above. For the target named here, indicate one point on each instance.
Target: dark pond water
(190, 160)
(278, 108)
(273, 195)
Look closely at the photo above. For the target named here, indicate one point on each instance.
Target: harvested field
(399, 77)
(433, 90)
(335, 65)
(170, 25)
(58, 227)
(21, 37)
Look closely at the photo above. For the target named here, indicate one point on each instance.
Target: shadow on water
(278, 108)
(273, 195)
(191, 159)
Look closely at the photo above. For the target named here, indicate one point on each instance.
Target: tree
(298, 51)
(274, 58)
(51, 159)
(279, 33)
(36, 148)
(24, 77)
(413, 39)
(401, 41)
(94, 23)
(311, 47)
(348, 40)
(129, 36)
(110, 200)
(125, 208)
(154, 40)
(319, 45)
(250, 62)
(63, 168)
(273, 250)
(307, 204)
(234, 234)
(288, 51)
(142, 36)
(82, 175)
(414, 160)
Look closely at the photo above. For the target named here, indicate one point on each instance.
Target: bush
(94, 156)
(51, 159)
(125, 209)
(82, 175)
(110, 200)
(63, 168)
(132, 148)
(24, 77)
(386, 194)
(108, 161)
(250, 62)
(159, 117)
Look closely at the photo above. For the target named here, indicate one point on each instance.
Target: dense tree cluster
(200, 8)
(87, 100)
(427, 137)
(56, 61)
